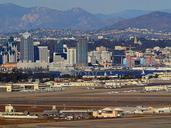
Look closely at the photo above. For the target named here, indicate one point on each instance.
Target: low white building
(32, 65)
(157, 88)
(163, 110)
(25, 86)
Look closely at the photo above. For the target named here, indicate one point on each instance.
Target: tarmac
(136, 122)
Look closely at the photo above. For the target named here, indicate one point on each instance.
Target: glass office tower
(26, 48)
(82, 52)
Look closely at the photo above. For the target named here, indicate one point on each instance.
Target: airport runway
(82, 97)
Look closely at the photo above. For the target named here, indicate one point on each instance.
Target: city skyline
(105, 7)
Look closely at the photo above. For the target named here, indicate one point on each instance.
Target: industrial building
(18, 87)
(25, 86)
(108, 113)
(10, 113)
(76, 114)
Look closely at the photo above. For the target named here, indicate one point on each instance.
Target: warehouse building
(25, 87)
(108, 113)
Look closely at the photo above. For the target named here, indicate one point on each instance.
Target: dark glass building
(59, 47)
(36, 53)
(82, 52)
(118, 57)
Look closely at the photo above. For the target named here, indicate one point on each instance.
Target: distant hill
(127, 14)
(16, 18)
(158, 21)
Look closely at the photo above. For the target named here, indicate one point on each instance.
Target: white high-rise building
(43, 54)
(71, 56)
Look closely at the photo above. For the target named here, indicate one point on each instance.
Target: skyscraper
(12, 50)
(36, 53)
(82, 52)
(43, 54)
(9, 51)
(26, 48)
(71, 56)
(59, 47)
(54, 46)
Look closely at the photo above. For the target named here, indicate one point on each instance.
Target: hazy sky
(96, 6)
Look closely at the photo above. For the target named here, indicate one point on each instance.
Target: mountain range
(156, 21)
(16, 18)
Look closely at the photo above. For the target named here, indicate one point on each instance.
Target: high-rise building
(59, 47)
(26, 48)
(36, 50)
(106, 56)
(59, 60)
(5, 58)
(117, 57)
(54, 46)
(82, 52)
(13, 52)
(59, 57)
(1, 61)
(43, 54)
(9, 51)
(93, 57)
(36, 53)
(71, 56)
(135, 40)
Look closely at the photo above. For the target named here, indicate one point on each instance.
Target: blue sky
(96, 6)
